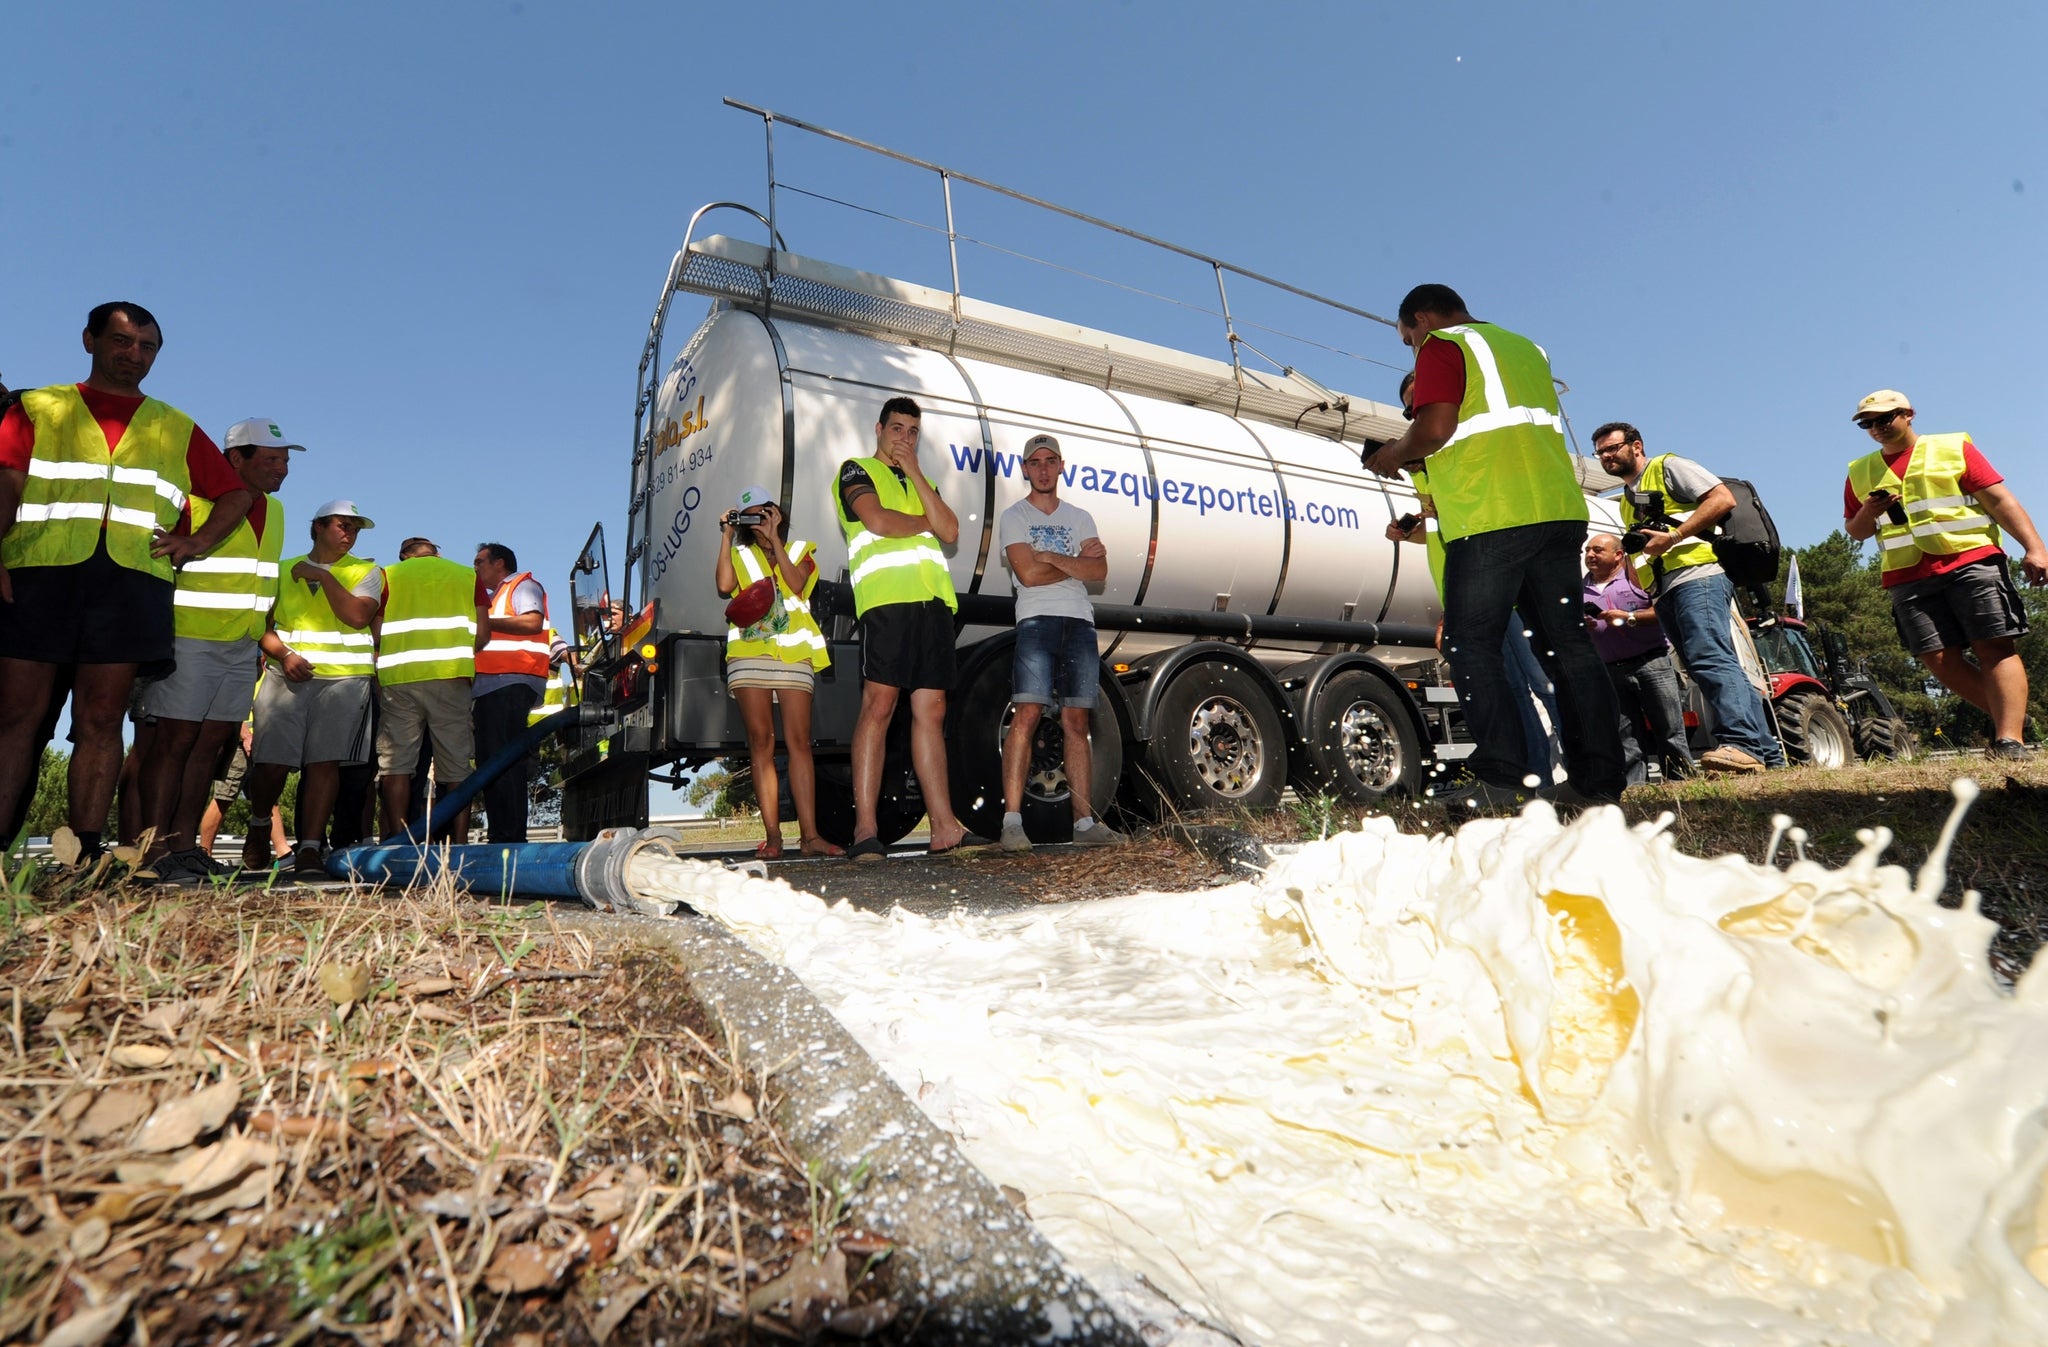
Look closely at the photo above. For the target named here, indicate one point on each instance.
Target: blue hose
(505, 870)
(527, 869)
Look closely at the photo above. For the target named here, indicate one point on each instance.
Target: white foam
(1525, 1083)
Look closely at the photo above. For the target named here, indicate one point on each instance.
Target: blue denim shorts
(1056, 662)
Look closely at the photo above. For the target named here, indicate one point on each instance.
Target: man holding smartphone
(1937, 508)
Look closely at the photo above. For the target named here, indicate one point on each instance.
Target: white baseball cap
(346, 509)
(753, 496)
(258, 432)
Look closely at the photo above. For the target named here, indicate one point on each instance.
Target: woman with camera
(773, 650)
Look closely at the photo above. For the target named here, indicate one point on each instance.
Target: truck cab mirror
(590, 598)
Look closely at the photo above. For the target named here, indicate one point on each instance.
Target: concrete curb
(974, 1267)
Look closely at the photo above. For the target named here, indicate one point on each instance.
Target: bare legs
(1080, 761)
(1996, 684)
(927, 758)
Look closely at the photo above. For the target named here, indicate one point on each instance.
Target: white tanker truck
(1257, 626)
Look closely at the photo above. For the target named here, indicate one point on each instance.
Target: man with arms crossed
(1054, 554)
(894, 523)
(93, 477)
(313, 710)
(1936, 506)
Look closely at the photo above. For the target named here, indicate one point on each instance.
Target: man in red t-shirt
(1950, 605)
(104, 620)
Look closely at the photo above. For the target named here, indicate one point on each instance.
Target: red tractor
(1828, 713)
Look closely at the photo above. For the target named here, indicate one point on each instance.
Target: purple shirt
(1615, 643)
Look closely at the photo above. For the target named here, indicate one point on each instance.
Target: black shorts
(908, 645)
(92, 612)
(1977, 602)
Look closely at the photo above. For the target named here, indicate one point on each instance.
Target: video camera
(747, 518)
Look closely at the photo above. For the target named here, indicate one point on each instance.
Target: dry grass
(279, 1117)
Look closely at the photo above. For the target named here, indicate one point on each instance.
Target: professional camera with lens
(1649, 510)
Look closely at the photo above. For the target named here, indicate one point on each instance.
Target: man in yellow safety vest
(93, 480)
(895, 523)
(1512, 517)
(435, 618)
(1937, 507)
(223, 602)
(314, 712)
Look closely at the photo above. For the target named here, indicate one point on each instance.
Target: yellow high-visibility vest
(1941, 520)
(1691, 552)
(429, 628)
(1506, 465)
(893, 570)
(227, 594)
(306, 622)
(74, 484)
(801, 640)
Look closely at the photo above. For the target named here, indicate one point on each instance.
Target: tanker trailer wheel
(1815, 733)
(1218, 742)
(1360, 742)
(893, 818)
(975, 753)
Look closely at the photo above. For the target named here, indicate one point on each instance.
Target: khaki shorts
(322, 720)
(438, 706)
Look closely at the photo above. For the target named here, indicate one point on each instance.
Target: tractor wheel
(1884, 737)
(1815, 733)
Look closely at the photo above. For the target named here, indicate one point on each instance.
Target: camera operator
(1670, 504)
(773, 650)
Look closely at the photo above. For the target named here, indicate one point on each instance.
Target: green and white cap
(258, 432)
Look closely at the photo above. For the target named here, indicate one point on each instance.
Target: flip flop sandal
(868, 849)
(768, 851)
(818, 846)
(967, 842)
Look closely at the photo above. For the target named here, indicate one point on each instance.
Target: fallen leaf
(864, 1245)
(166, 1018)
(113, 1111)
(179, 1122)
(371, 1069)
(58, 1020)
(89, 1327)
(735, 1105)
(618, 1304)
(204, 1257)
(607, 1204)
(141, 1056)
(521, 1267)
(862, 1321)
(428, 987)
(345, 983)
(603, 1243)
(458, 1205)
(73, 1105)
(89, 1236)
(128, 856)
(248, 1193)
(221, 1163)
(438, 1015)
(813, 1288)
(267, 1121)
(66, 846)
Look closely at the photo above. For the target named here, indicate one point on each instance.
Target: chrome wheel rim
(1371, 749)
(1224, 746)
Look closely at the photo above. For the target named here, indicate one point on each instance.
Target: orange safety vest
(509, 653)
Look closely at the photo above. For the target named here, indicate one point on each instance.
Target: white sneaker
(1100, 835)
(1013, 838)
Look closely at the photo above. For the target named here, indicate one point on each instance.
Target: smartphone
(1407, 522)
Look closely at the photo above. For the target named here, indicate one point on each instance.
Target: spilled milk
(1528, 1083)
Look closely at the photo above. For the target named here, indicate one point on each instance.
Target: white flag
(1795, 593)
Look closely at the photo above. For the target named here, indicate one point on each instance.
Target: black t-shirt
(854, 480)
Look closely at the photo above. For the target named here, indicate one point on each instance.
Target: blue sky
(427, 238)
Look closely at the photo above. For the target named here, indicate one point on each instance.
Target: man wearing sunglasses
(1937, 507)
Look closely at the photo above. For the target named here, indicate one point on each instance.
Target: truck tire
(1816, 734)
(1218, 742)
(893, 819)
(975, 760)
(1884, 737)
(1360, 743)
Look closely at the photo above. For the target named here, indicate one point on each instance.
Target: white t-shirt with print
(1063, 531)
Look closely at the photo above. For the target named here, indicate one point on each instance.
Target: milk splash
(1524, 1083)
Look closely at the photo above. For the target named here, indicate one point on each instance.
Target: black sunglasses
(1876, 422)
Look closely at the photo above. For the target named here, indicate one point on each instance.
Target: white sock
(1017, 819)
(1082, 825)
